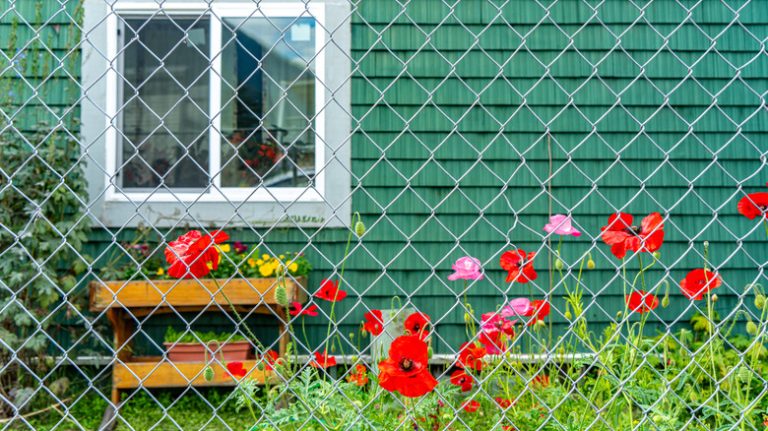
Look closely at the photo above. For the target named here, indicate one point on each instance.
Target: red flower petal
(698, 282)
(406, 371)
(470, 406)
(418, 324)
(329, 291)
(753, 205)
(236, 369)
(374, 322)
(641, 302)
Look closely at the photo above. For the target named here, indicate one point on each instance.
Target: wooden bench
(123, 300)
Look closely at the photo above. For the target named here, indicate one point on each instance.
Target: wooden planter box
(124, 301)
(196, 352)
(143, 297)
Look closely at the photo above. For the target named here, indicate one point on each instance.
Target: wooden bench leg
(115, 396)
(284, 333)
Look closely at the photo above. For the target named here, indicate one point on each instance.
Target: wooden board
(154, 372)
(190, 293)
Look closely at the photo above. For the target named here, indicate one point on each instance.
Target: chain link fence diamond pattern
(378, 142)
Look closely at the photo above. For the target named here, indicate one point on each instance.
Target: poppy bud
(429, 352)
(745, 375)
(760, 301)
(559, 265)
(714, 298)
(467, 318)
(665, 301)
(751, 328)
(590, 264)
(619, 314)
(359, 228)
(657, 255)
(260, 366)
(354, 358)
(351, 335)
(208, 374)
(363, 332)
(281, 296)
(540, 323)
(568, 314)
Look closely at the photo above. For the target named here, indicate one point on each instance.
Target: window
(220, 102)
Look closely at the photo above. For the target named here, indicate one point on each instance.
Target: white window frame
(325, 202)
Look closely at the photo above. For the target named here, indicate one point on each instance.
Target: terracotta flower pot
(196, 352)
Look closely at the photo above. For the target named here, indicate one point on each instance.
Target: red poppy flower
(359, 376)
(417, 324)
(329, 291)
(470, 406)
(698, 282)
(374, 322)
(323, 361)
(641, 302)
(541, 380)
(754, 205)
(519, 266)
(297, 309)
(270, 357)
(190, 255)
(539, 310)
(461, 378)
(236, 369)
(504, 403)
(407, 370)
(471, 356)
(622, 235)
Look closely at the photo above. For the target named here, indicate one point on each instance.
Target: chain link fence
(366, 215)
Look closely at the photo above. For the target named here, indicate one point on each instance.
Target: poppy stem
(765, 223)
(332, 315)
(755, 356)
(711, 327)
(240, 320)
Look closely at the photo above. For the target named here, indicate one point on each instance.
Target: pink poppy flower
(517, 307)
(495, 322)
(560, 224)
(466, 268)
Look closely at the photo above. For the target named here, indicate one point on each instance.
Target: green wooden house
(452, 128)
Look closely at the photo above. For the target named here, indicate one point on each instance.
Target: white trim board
(324, 203)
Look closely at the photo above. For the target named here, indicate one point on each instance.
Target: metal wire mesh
(381, 142)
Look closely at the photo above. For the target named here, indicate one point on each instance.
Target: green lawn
(166, 411)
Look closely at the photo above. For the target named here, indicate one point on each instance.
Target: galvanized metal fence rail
(460, 162)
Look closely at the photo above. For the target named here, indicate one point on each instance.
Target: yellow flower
(293, 267)
(225, 248)
(259, 262)
(266, 270)
(252, 262)
(160, 271)
(265, 257)
(282, 257)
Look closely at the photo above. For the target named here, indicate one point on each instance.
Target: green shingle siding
(436, 88)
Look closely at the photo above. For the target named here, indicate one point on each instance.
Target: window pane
(268, 102)
(165, 103)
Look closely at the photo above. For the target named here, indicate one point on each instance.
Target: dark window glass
(165, 91)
